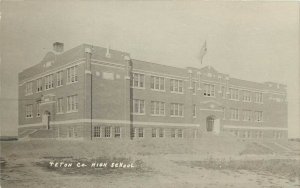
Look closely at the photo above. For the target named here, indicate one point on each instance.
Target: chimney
(58, 47)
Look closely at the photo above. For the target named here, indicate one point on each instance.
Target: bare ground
(163, 163)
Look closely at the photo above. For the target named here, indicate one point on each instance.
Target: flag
(203, 51)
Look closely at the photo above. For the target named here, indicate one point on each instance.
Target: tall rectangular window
(176, 109)
(72, 74)
(176, 86)
(173, 133)
(194, 110)
(117, 132)
(179, 133)
(258, 97)
(59, 105)
(247, 115)
(28, 89)
(161, 132)
(157, 83)
(107, 132)
(246, 96)
(59, 78)
(28, 111)
(194, 85)
(209, 90)
(154, 133)
(223, 92)
(258, 115)
(138, 80)
(138, 106)
(139, 132)
(38, 113)
(157, 108)
(72, 105)
(39, 85)
(224, 112)
(233, 94)
(97, 131)
(49, 82)
(234, 114)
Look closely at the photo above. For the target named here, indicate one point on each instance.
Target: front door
(46, 119)
(209, 124)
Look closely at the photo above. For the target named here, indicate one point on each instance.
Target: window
(59, 78)
(224, 112)
(176, 109)
(194, 110)
(258, 97)
(72, 103)
(179, 133)
(234, 114)
(97, 131)
(28, 89)
(107, 132)
(246, 115)
(38, 114)
(138, 106)
(258, 115)
(173, 133)
(154, 135)
(72, 74)
(59, 105)
(161, 133)
(223, 92)
(157, 83)
(28, 111)
(246, 96)
(138, 80)
(139, 132)
(39, 85)
(194, 88)
(209, 90)
(117, 132)
(176, 86)
(157, 108)
(49, 81)
(233, 94)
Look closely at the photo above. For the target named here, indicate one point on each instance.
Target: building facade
(93, 93)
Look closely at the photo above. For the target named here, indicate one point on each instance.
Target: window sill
(28, 94)
(70, 83)
(159, 90)
(59, 113)
(177, 116)
(28, 117)
(174, 92)
(59, 86)
(68, 112)
(138, 114)
(138, 88)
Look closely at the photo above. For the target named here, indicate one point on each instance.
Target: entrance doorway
(46, 119)
(213, 124)
(210, 123)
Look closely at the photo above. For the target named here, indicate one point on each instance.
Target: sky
(256, 41)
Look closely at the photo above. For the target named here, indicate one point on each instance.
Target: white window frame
(138, 81)
(154, 130)
(72, 103)
(233, 94)
(176, 86)
(175, 109)
(97, 132)
(72, 74)
(157, 81)
(194, 111)
(247, 115)
(59, 105)
(28, 88)
(161, 130)
(258, 97)
(194, 85)
(258, 116)
(139, 132)
(209, 90)
(179, 133)
(158, 108)
(138, 107)
(59, 78)
(223, 92)
(39, 85)
(49, 82)
(107, 129)
(28, 111)
(117, 132)
(234, 114)
(247, 96)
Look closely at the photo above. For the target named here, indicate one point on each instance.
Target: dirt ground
(156, 164)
